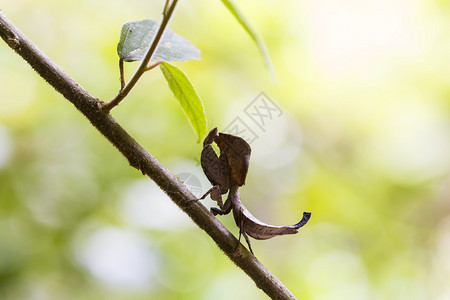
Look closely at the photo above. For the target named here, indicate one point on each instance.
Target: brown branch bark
(140, 159)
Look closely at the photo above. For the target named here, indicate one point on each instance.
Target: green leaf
(253, 34)
(137, 36)
(186, 95)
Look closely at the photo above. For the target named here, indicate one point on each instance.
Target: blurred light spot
(338, 275)
(119, 258)
(265, 148)
(414, 142)
(441, 261)
(269, 142)
(232, 285)
(146, 205)
(5, 146)
(357, 34)
(396, 286)
(17, 96)
(59, 159)
(192, 182)
(188, 261)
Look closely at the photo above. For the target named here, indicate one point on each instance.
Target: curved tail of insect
(304, 220)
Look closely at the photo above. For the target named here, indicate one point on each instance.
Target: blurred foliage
(363, 143)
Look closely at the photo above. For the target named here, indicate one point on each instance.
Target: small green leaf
(186, 95)
(253, 34)
(137, 36)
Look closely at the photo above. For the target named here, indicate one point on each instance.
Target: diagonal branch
(140, 159)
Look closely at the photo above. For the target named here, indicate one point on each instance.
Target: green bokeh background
(363, 143)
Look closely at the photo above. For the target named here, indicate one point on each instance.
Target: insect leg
(206, 194)
(247, 240)
(225, 209)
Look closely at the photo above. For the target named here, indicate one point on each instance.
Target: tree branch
(140, 159)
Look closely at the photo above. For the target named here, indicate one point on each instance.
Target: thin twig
(153, 66)
(140, 159)
(167, 14)
(122, 76)
(165, 7)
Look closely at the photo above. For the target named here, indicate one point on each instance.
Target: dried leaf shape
(228, 172)
(215, 168)
(238, 153)
(262, 231)
(249, 225)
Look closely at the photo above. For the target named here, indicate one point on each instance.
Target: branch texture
(140, 159)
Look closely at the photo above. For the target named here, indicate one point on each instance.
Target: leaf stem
(167, 14)
(122, 76)
(165, 7)
(153, 65)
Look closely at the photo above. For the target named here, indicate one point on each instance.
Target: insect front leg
(246, 239)
(223, 208)
(240, 221)
(216, 195)
(207, 193)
